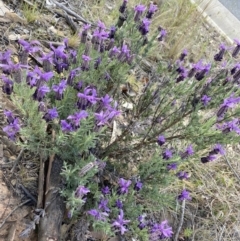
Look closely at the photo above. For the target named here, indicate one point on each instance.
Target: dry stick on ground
(51, 159)
(69, 11)
(50, 224)
(181, 221)
(11, 232)
(230, 166)
(41, 184)
(17, 160)
(20, 205)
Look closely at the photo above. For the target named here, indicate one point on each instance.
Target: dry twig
(181, 220)
(232, 169)
(20, 205)
(17, 160)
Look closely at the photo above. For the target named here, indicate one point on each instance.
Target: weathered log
(50, 224)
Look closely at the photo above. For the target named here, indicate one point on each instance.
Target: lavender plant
(69, 103)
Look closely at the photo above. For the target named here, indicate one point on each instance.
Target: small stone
(13, 182)
(6, 154)
(12, 158)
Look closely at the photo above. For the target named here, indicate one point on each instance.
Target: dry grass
(31, 13)
(73, 41)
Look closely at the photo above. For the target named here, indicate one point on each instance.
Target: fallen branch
(69, 11)
(41, 184)
(50, 224)
(181, 221)
(17, 161)
(20, 205)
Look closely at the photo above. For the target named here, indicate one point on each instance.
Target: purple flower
(112, 32)
(73, 56)
(163, 33)
(201, 74)
(229, 102)
(183, 55)
(119, 204)
(47, 61)
(73, 73)
(5, 57)
(41, 92)
(105, 190)
(123, 6)
(235, 68)
(59, 53)
(8, 85)
(81, 191)
(59, 89)
(65, 126)
(30, 47)
(76, 118)
(172, 166)
(85, 65)
(106, 100)
(51, 114)
(142, 222)
(125, 52)
(167, 154)
(139, 9)
(138, 186)
(114, 52)
(98, 37)
(78, 86)
(185, 195)
(182, 75)
(103, 205)
(89, 97)
(12, 129)
(12, 68)
(123, 185)
(152, 9)
(208, 158)
(182, 175)
(195, 67)
(236, 49)
(86, 27)
(112, 112)
(219, 55)
(9, 115)
(189, 152)
(161, 140)
(218, 149)
(161, 231)
(37, 77)
(120, 223)
(232, 125)
(101, 216)
(101, 25)
(101, 118)
(144, 27)
(205, 100)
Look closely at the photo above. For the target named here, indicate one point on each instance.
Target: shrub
(72, 104)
